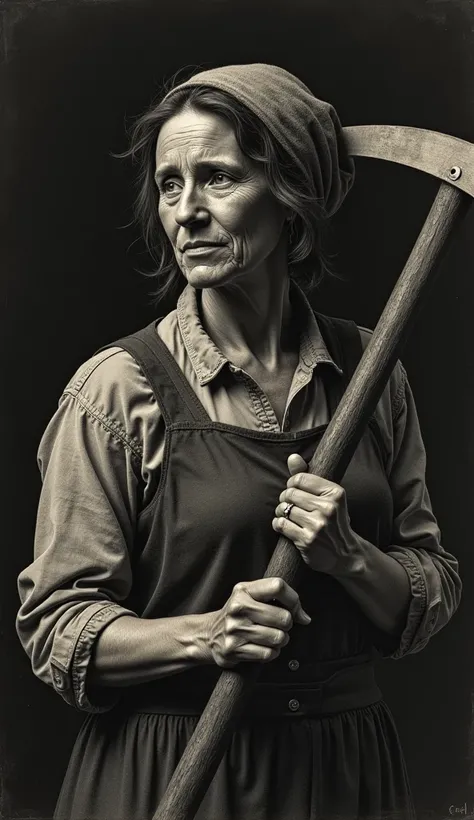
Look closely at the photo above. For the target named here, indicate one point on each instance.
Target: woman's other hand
(318, 524)
(249, 627)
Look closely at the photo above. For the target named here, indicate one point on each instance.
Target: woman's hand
(249, 627)
(319, 524)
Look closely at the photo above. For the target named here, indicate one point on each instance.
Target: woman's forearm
(136, 650)
(381, 587)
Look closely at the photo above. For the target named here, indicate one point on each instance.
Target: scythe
(452, 161)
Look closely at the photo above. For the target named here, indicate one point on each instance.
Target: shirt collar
(207, 360)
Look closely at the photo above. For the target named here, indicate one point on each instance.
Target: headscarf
(306, 127)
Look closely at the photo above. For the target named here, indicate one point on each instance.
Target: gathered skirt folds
(340, 767)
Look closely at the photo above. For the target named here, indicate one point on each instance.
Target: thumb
(296, 464)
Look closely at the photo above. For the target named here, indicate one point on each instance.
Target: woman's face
(214, 203)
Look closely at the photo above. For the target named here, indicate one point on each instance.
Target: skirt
(288, 766)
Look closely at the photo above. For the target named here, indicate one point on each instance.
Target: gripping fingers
(267, 590)
(258, 644)
(254, 652)
(251, 627)
(273, 616)
(251, 643)
(272, 638)
(287, 597)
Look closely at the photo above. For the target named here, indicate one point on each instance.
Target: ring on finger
(287, 510)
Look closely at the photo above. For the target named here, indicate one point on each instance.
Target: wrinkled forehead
(192, 134)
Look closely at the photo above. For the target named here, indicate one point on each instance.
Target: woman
(165, 488)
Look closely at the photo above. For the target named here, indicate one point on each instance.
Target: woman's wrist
(195, 639)
(135, 650)
(380, 585)
(358, 563)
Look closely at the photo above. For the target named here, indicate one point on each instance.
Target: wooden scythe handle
(206, 747)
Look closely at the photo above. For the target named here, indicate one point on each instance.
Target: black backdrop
(73, 75)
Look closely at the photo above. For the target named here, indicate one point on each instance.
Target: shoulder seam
(97, 359)
(112, 427)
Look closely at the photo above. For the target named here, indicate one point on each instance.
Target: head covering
(307, 128)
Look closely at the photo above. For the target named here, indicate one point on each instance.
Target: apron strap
(344, 343)
(176, 399)
(342, 338)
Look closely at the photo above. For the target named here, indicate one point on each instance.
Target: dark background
(73, 75)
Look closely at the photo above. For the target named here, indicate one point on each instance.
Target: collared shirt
(100, 461)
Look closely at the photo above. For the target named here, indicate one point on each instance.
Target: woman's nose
(191, 207)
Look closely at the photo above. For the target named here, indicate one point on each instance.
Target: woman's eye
(170, 187)
(220, 178)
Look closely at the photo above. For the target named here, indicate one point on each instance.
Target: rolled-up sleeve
(81, 573)
(432, 571)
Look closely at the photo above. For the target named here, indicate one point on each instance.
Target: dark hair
(290, 185)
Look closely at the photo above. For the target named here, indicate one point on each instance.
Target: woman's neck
(252, 325)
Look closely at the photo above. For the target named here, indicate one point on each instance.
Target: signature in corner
(460, 811)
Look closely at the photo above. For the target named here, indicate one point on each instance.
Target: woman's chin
(208, 276)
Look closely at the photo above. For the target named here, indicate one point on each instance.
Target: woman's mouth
(201, 250)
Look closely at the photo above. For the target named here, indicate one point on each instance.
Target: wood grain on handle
(207, 745)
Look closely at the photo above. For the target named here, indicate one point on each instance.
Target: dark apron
(316, 741)
(209, 527)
